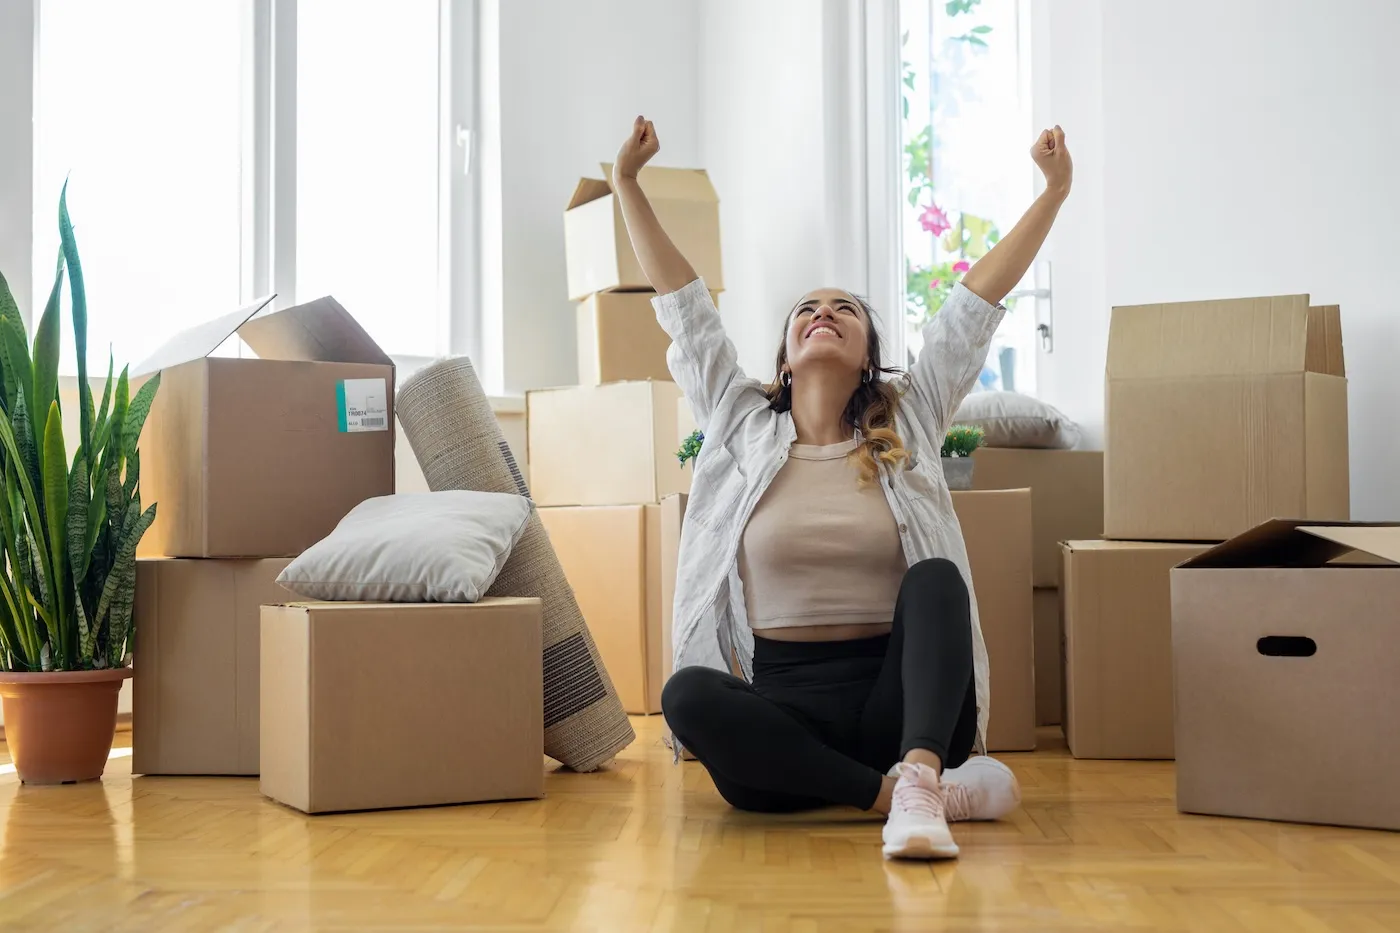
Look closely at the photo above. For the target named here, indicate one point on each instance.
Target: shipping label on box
(1223, 414)
(362, 405)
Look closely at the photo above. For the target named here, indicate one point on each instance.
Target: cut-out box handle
(1287, 646)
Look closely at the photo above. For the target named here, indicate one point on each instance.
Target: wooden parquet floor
(646, 846)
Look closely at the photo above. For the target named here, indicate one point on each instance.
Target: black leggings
(823, 722)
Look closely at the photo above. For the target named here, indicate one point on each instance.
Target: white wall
(17, 147)
(570, 79)
(1243, 148)
(783, 133)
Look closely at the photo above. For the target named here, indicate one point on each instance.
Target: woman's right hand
(637, 150)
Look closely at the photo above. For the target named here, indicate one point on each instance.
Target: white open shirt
(746, 443)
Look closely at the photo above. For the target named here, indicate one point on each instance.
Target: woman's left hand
(1052, 158)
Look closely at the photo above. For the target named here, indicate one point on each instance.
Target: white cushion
(1009, 419)
(425, 547)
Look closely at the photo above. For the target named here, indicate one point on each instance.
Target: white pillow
(1009, 419)
(424, 547)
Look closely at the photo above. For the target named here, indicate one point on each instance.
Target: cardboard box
(374, 705)
(1118, 647)
(1288, 675)
(1066, 496)
(1224, 414)
(996, 525)
(1049, 657)
(195, 693)
(604, 445)
(597, 250)
(262, 457)
(619, 339)
(613, 558)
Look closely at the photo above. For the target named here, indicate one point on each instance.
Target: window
(367, 166)
(138, 106)
(219, 151)
(967, 175)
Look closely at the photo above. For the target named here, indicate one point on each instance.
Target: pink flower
(961, 266)
(934, 284)
(934, 220)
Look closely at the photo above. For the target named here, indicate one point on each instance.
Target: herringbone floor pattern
(645, 846)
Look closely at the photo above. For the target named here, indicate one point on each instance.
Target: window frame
(268, 125)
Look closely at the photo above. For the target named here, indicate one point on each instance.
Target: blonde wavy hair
(872, 407)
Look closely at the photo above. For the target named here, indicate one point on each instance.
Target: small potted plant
(70, 530)
(691, 448)
(959, 444)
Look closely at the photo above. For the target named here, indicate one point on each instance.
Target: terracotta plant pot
(59, 725)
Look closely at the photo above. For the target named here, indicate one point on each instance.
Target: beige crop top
(820, 549)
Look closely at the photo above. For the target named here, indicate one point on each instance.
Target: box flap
(590, 189)
(1325, 341)
(319, 331)
(199, 341)
(1381, 541)
(1242, 336)
(668, 184)
(1300, 543)
(673, 184)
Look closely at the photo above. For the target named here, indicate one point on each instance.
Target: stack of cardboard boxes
(602, 454)
(1066, 489)
(251, 461)
(1220, 415)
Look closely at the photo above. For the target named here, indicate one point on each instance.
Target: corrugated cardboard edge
(285, 712)
(652, 614)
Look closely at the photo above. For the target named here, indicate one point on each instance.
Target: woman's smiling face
(828, 329)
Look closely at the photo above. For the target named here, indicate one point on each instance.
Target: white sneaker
(982, 788)
(917, 826)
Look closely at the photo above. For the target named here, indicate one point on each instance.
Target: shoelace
(917, 799)
(957, 801)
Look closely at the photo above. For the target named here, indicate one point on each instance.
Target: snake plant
(69, 528)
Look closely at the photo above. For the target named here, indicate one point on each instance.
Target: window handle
(464, 140)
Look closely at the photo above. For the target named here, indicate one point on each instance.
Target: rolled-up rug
(453, 431)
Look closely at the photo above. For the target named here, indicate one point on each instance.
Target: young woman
(821, 560)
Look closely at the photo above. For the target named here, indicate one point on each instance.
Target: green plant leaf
(34, 525)
(981, 30)
(47, 337)
(962, 440)
(124, 572)
(14, 346)
(23, 428)
(56, 506)
(136, 414)
(97, 518)
(87, 637)
(79, 293)
(75, 533)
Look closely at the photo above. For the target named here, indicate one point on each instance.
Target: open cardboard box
(598, 251)
(262, 457)
(1224, 414)
(1286, 644)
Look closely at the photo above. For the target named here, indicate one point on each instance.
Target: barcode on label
(372, 422)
